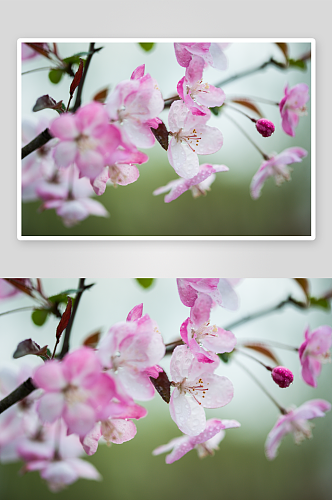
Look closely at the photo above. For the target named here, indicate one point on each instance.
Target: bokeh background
(239, 469)
(228, 209)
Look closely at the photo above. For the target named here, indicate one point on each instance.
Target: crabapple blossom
(85, 138)
(205, 443)
(199, 335)
(70, 196)
(295, 421)
(292, 106)
(198, 185)
(8, 290)
(276, 166)
(128, 351)
(282, 376)
(195, 387)
(197, 95)
(190, 136)
(220, 290)
(134, 105)
(314, 352)
(117, 427)
(211, 53)
(29, 53)
(120, 173)
(265, 127)
(75, 389)
(39, 165)
(56, 457)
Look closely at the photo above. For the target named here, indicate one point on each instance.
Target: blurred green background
(239, 468)
(228, 209)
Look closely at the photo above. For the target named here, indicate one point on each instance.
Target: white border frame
(312, 237)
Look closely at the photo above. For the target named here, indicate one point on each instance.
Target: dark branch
(20, 393)
(78, 100)
(65, 345)
(28, 387)
(46, 136)
(37, 142)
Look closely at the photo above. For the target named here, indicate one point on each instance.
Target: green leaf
(55, 75)
(146, 46)
(322, 303)
(297, 64)
(39, 316)
(225, 356)
(145, 282)
(216, 110)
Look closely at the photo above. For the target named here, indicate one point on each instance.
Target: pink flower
(265, 127)
(196, 387)
(198, 334)
(39, 165)
(295, 421)
(314, 352)
(134, 105)
(190, 136)
(29, 53)
(128, 350)
(282, 376)
(198, 95)
(205, 443)
(86, 138)
(120, 173)
(220, 290)
(276, 166)
(7, 290)
(56, 457)
(75, 389)
(70, 196)
(198, 185)
(292, 106)
(211, 53)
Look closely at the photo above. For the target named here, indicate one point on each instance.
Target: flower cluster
(100, 143)
(93, 394)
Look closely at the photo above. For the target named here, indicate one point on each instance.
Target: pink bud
(265, 127)
(282, 376)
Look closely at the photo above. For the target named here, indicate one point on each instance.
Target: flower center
(84, 143)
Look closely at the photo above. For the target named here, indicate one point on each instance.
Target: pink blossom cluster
(96, 145)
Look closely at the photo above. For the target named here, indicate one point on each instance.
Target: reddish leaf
(92, 340)
(77, 78)
(64, 319)
(284, 49)
(163, 386)
(304, 284)
(28, 346)
(101, 95)
(263, 350)
(161, 134)
(21, 284)
(39, 47)
(248, 104)
(46, 102)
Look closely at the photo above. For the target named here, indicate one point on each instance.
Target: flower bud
(265, 127)
(282, 376)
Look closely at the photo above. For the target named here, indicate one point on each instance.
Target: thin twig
(251, 71)
(80, 87)
(37, 142)
(17, 310)
(261, 313)
(265, 156)
(65, 345)
(28, 387)
(280, 408)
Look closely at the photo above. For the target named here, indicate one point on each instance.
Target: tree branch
(46, 136)
(65, 345)
(28, 386)
(17, 395)
(37, 142)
